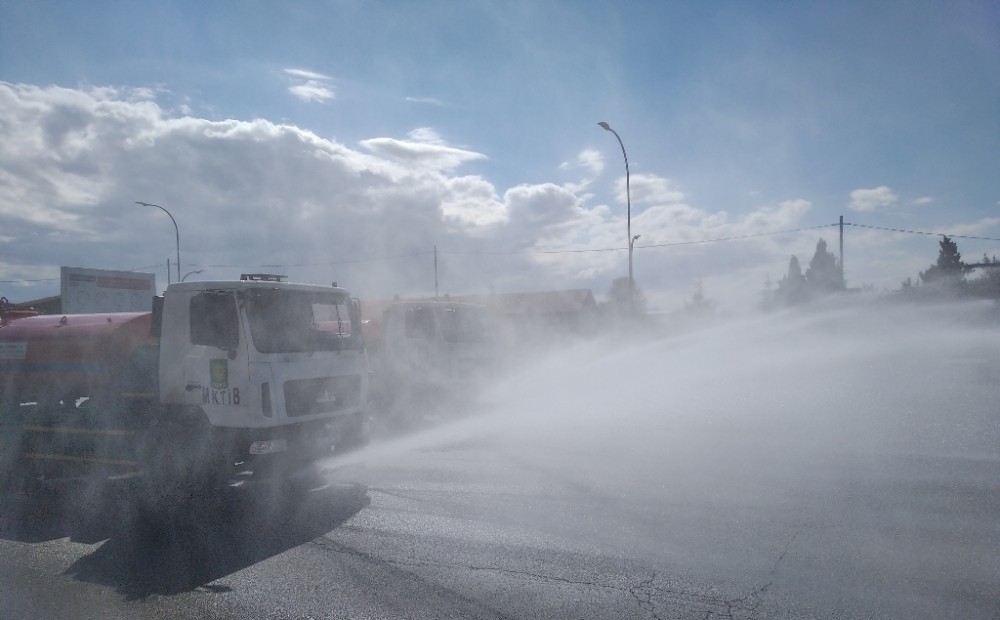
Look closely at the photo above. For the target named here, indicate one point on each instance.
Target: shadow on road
(210, 538)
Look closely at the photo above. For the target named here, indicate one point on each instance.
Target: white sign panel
(13, 350)
(99, 290)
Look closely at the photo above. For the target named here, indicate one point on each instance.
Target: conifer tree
(824, 275)
(949, 270)
(792, 288)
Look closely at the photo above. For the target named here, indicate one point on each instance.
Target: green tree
(988, 283)
(949, 270)
(824, 275)
(699, 305)
(618, 298)
(791, 289)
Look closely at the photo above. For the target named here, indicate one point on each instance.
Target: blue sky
(344, 140)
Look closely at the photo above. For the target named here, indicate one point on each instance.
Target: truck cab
(273, 366)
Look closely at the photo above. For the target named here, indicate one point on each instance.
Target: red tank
(52, 358)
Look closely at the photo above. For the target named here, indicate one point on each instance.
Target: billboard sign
(100, 290)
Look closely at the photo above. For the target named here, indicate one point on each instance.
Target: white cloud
(978, 228)
(312, 91)
(427, 101)
(590, 160)
(471, 203)
(537, 207)
(309, 86)
(591, 163)
(647, 188)
(787, 214)
(423, 150)
(924, 200)
(872, 199)
(247, 194)
(307, 75)
(427, 135)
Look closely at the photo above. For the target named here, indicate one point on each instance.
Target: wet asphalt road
(466, 528)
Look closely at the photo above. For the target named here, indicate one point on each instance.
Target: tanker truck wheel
(184, 468)
(18, 477)
(354, 437)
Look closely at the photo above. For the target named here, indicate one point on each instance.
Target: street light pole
(628, 215)
(631, 247)
(177, 232)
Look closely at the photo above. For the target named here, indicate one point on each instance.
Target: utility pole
(842, 281)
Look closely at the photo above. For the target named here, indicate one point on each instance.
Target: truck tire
(182, 462)
(354, 437)
(16, 475)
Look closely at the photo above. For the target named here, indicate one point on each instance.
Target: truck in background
(425, 353)
(222, 381)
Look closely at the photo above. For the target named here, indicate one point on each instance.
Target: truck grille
(322, 395)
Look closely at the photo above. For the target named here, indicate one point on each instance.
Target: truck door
(215, 366)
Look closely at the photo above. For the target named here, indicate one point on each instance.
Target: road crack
(750, 602)
(415, 563)
(649, 593)
(643, 595)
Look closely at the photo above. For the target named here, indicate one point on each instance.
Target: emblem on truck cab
(219, 374)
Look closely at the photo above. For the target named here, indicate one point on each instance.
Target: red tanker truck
(222, 381)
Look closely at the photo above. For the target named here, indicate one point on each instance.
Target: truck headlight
(268, 446)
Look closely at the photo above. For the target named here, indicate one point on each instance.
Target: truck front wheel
(354, 436)
(183, 460)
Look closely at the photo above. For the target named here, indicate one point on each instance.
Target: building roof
(573, 301)
(45, 305)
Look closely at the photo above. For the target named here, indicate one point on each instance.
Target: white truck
(222, 381)
(430, 352)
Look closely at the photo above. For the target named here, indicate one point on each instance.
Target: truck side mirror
(156, 324)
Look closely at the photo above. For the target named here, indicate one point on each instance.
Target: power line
(655, 245)
(767, 234)
(326, 264)
(920, 232)
(496, 252)
(158, 266)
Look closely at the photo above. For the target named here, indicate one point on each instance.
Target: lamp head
(605, 125)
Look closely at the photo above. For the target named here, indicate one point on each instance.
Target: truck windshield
(284, 321)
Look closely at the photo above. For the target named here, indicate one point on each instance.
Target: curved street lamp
(191, 273)
(628, 215)
(177, 232)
